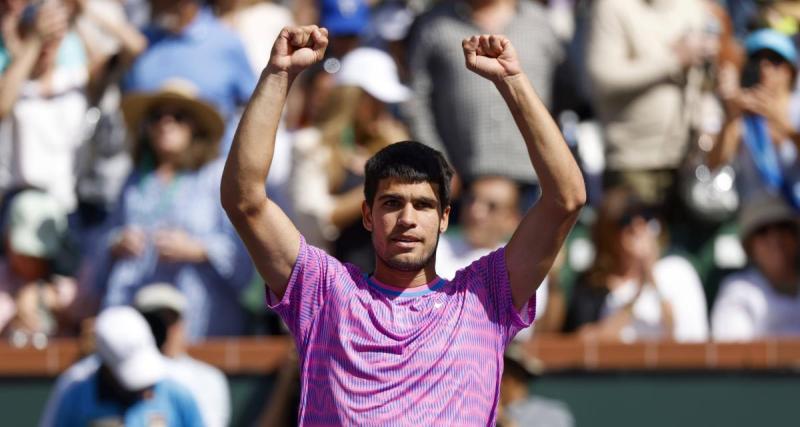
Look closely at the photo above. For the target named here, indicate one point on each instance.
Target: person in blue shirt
(186, 40)
(129, 388)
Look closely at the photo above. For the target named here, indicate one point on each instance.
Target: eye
(392, 203)
(424, 205)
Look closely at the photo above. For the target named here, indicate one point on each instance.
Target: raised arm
(49, 24)
(537, 240)
(271, 239)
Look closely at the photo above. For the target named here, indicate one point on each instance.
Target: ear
(444, 221)
(366, 216)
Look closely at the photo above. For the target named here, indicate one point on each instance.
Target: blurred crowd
(116, 115)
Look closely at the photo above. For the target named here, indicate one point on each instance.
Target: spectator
(518, 407)
(43, 76)
(638, 78)
(631, 292)
(130, 386)
(451, 111)
(491, 214)
(346, 21)
(761, 133)
(187, 41)
(763, 300)
(329, 157)
(154, 236)
(162, 307)
(112, 43)
(35, 300)
(257, 22)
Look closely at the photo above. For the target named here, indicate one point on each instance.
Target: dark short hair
(408, 161)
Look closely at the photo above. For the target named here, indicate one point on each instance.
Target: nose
(407, 217)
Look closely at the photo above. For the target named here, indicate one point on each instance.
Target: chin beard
(414, 264)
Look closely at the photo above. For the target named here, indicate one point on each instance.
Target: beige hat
(159, 296)
(179, 93)
(764, 209)
(36, 224)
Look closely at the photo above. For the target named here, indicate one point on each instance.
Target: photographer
(758, 136)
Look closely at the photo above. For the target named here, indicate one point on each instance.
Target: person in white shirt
(162, 306)
(763, 300)
(491, 213)
(632, 292)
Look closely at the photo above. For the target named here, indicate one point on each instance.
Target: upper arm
(533, 248)
(271, 239)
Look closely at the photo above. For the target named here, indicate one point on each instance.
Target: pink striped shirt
(372, 354)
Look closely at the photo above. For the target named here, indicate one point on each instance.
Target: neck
(404, 279)
(187, 14)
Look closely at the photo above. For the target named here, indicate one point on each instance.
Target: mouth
(405, 241)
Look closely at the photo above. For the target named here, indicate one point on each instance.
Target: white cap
(157, 296)
(374, 71)
(125, 344)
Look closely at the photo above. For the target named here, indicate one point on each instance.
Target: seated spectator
(43, 76)
(187, 41)
(129, 387)
(491, 213)
(329, 157)
(764, 300)
(162, 307)
(518, 408)
(35, 301)
(169, 225)
(761, 134)
(632, 292)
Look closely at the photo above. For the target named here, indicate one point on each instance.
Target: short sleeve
(313, 275)
(493, 288)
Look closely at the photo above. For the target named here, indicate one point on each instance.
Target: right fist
(297, 48)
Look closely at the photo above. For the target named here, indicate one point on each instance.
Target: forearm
(132, 41)
(248, 162)
(17, 73)
(559, 176)
(726, 144)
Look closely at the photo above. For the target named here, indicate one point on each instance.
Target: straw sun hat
(179, 94)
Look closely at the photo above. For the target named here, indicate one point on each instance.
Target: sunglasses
(158, 114)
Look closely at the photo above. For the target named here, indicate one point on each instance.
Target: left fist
(491, 56)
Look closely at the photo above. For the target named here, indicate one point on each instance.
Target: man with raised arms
(399, 345)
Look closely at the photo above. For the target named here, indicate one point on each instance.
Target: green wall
(630, 399)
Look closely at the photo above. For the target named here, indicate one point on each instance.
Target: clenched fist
(491, 56)
(297, 48)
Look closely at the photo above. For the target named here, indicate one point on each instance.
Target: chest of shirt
(368, 332)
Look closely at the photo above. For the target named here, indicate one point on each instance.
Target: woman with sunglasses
(168, 225)
(631, 292)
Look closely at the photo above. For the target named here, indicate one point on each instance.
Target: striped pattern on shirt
(372, 354)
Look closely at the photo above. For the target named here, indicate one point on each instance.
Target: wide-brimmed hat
(178, 93)
(763, 209)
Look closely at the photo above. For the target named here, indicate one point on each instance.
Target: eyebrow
(397, 196)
